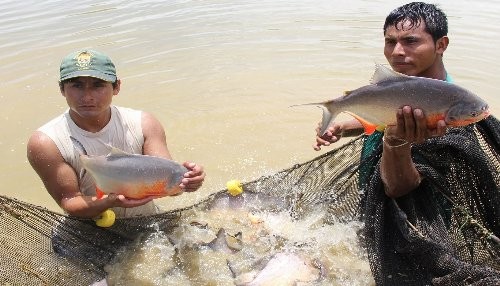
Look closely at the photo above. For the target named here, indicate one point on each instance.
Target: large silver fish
(375, 105)
(132, 175)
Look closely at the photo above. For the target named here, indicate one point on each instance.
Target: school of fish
(245, 240)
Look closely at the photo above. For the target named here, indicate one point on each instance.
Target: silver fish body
(376, 104)
(133, 175)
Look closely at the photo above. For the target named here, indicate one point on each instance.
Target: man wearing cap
(88, 81)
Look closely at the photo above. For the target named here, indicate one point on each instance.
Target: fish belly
(140, 190)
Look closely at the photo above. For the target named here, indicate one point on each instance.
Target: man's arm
(61, 181)
(397, 169)
(155, 144)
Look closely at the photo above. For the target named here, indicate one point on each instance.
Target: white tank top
(124, 131)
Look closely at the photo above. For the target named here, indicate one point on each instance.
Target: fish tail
(330, 112)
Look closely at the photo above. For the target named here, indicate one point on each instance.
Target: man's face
(411, 51)
(89, 97)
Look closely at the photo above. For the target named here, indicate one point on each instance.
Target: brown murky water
(220, 75)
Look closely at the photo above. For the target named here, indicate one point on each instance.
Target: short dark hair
(436, 23)
(61, 83)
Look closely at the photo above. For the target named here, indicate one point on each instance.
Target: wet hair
(61, 83)
(436, 23)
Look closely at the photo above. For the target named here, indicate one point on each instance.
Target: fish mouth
(485, 114)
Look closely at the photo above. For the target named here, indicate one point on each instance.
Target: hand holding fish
(411, 127)
(193, 179)
(331, 135)
(397, 169)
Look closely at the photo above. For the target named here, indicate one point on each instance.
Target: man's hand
(411, 126)
(398, 171)
(193, 179)
(332, 135)
(337, 130)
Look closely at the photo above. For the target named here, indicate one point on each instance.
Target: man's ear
(61, 87)
(116, 89)
(442, 44)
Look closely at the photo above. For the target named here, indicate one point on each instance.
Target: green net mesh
(444, 233)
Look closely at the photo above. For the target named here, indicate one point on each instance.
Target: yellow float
(234, 187)
(106, 219)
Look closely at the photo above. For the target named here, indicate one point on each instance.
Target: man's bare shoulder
(40, 146)
(148, 119)
(155, 141)
(151, 126)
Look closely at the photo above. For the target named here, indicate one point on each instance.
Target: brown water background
(219, 75)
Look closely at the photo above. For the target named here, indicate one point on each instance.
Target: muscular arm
(61, 181)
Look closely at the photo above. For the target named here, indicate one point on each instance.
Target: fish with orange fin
(375, 105)
(132, 175)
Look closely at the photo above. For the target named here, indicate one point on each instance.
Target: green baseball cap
(87, 63)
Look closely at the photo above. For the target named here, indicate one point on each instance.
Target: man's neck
(436, 71)
(91, 124)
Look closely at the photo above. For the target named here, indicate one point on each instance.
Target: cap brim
(90, 73)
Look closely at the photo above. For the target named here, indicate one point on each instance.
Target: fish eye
(474, 114)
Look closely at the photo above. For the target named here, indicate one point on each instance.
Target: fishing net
(444, 233)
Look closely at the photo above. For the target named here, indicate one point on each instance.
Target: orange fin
(99, 194)
(369, 127)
